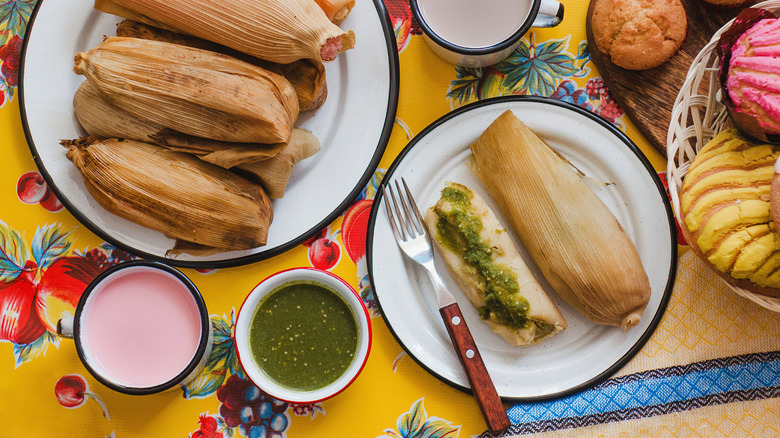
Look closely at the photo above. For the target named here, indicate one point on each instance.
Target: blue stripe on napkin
(655, 392)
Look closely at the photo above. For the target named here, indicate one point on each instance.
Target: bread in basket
(697, 117)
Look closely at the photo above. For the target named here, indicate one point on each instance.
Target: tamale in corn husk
(487, 267)
(574, 239)
(305, 75)
(336, 10)
(173, 193)
(280, 31)
(274, 173)
(302, 144)
(192, 91)
(109, 7)
(103, 120)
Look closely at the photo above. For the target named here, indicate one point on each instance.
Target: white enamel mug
(141, 327)
(479, 33)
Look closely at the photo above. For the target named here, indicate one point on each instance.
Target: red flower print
(354, 229)
(404, 24)
(9, 53)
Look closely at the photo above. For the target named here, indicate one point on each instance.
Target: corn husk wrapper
(193, 91)
(103, 120)
(274, 173)
(174, 193)
(574, 238)
(336, 10)
(305, 75)
(280, 31)
(109, 7)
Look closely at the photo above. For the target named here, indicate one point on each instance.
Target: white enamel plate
(353, 126)
(583, 354)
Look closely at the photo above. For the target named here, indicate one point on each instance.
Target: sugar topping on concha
(753, 80)
(726, 214)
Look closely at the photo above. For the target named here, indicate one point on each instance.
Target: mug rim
(476, 51)
(289, 395)
(205, 327)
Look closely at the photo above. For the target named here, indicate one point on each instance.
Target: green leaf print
(416, 424)
(50, 242)
(24, 353)
(14, 16)
(532, 69)
(535, 69)
(222, 361)
(14, 253)
(466, 86)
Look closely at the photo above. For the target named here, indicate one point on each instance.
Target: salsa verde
(459, 230)
(303, 335)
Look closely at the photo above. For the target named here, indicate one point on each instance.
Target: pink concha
(754, 74)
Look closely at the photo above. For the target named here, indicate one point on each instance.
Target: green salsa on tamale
(484, 262)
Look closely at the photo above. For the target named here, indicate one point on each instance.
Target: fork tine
(390, 214)
(420, 222)
(408, 219)
(403, 222)
(408, 202)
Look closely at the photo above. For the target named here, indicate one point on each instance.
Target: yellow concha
(725, 207)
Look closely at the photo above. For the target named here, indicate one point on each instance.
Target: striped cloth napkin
(711, 368)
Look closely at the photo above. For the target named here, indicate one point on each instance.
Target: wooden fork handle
(481, 384)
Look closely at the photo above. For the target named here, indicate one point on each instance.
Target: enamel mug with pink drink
(479, 33)
(141, 327)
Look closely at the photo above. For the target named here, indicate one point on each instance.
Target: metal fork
(415, 242)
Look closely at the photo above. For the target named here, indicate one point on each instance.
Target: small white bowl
(256, 298)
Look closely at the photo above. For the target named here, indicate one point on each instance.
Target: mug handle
(550, 14)
(65, 327)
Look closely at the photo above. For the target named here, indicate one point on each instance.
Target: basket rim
(679, 155)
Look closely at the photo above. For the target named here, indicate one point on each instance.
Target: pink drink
(140, 327)
(475, 23)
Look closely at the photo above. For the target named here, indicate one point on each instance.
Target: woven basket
(697, 116)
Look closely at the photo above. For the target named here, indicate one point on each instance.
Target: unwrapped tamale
(482, 259)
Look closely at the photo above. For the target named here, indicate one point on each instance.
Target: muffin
(726, 212)
(639, 34)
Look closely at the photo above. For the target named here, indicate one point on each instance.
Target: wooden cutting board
(647, 96)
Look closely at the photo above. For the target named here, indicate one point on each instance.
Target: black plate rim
(629, 144)
(393, 92)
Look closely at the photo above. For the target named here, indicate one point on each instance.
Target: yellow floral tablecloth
(712, 367)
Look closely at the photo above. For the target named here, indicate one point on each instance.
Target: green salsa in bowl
(303, 335)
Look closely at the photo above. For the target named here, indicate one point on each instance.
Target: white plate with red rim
(353, 126)
(583, 354)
